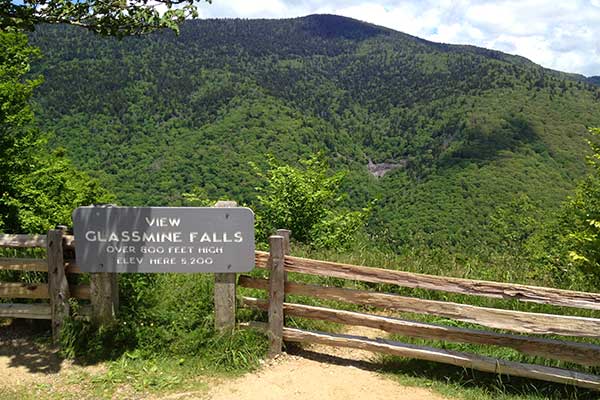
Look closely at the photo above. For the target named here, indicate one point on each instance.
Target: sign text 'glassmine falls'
(164, 239)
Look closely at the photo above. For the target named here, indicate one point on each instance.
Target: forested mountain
(475, 134)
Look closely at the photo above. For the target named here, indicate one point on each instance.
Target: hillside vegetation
(470, 129)
(476, 152)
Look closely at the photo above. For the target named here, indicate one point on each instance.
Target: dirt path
(300, 378)
(319, 372)
(26, 364)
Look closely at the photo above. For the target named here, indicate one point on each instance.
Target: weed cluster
(167, 315)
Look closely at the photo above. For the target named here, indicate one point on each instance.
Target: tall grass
(485, 266)
(165, 315)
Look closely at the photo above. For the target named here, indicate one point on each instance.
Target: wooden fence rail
(506, 320)
(497, 290)
(102, 291)
(460, 359)
(21, 290)
(516, 321)
(578, 353)
(23, 241)
(24, 264)
(29, 311)
(457, 358)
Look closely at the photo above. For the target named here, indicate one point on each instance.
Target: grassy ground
(31, 368)
(117, 379)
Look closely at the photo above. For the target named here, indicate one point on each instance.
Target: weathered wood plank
(104, 296)
(498, 290)
(58, 287)
(24, 264)
(287, 246)
(224, 290)
(276, 294)
(286, 234)
(21, 290)
(82, 292)
(224, 298)
(29, 311)
(516, 321)
(261, 259)
(18, 241)
(459, 359)
(72, 268)
(579, 353)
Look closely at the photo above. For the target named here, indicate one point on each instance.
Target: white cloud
(560, 35)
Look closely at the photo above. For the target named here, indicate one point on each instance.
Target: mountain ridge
(473, 128)
(327, 20)
(595, 80)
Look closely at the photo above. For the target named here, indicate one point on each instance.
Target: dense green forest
(37, 188)
(375, 147)
(468, 130)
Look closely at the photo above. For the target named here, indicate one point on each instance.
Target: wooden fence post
(286, 234)
(224, 292)
(58, 287)
(276, 294)
(104, 296)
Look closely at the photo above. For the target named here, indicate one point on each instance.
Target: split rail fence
(101, 292)
(522, 324)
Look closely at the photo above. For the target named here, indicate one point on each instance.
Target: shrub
(581, 218)
(306, 200)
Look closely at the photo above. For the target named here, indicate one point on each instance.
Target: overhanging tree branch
(107, 17)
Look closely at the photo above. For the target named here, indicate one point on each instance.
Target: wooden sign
(164, 239)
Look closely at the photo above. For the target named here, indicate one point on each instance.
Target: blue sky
(563, 35)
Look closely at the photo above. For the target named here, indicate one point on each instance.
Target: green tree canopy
(107, 17)
(306, 200)
(582, 217)
(38, 189)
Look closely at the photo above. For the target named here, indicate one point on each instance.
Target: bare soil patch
(315, 372)
(26, 362)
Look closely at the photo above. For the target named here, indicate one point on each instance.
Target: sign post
(225, 291)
